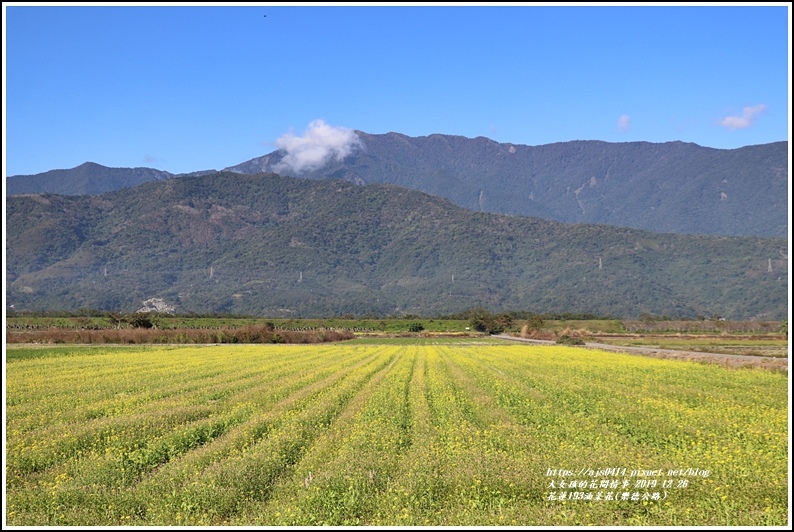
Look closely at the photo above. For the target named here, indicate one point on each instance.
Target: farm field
(388, 325)
(398, 325)
(391, 432)
(765, 346)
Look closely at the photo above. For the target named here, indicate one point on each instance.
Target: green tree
(480, 319)
(116, 319)
(534, 323)
(503, 321)
(141, 320)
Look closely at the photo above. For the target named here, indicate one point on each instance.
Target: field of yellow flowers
(389, 434)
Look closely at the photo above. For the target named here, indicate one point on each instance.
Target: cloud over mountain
(319, 144)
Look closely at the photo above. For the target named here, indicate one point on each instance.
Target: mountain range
(87, 179)
(671, 187)
(275, 245)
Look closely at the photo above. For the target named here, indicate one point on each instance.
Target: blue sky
(206, 87)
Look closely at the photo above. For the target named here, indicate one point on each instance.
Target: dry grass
(552, 336)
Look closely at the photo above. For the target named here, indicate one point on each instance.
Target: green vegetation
(482, 320)
(614, 183)
(597, 182)
(86, 179)
(569, 340)
(143, 331)
(166, 322)
(601, 326)
(396, 434)
(267, 245)
(27, 352)
(20, 326)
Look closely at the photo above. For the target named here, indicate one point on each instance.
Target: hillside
(271, 245)
(670, 187)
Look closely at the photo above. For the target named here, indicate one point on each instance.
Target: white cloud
(746, 120)
(624, 122)
(319, 144)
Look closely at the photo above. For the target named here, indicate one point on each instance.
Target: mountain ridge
(675, 186)
(273, 245)
(89, 178)
(662, 187)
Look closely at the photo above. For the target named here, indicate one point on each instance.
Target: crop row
(390, 435)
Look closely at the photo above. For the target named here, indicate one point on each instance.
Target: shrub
(534, 323)
(569, 340)
(415, 327)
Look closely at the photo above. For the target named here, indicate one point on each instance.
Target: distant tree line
(96, 313)
(514, 315)
(521, 315)
(479, 318)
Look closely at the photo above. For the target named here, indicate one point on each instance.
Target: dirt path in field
(724, 359)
